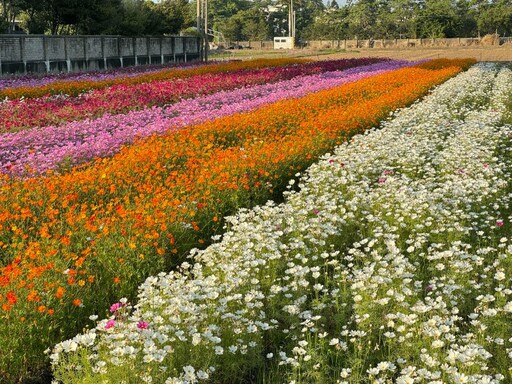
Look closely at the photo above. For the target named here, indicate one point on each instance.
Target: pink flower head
(116, 306)
(142, 325)
(387, 172)
(110, 324)
(331, 161)
(486, 165)
(382, 180)
(499, 223)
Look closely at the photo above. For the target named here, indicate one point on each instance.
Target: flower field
(82, 225)
(74, 85)
(31, 82)
(36, 151)
(134, 93)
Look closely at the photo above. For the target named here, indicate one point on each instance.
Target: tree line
(96, 17)
(241, 20)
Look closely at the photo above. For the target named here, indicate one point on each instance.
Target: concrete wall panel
(20, 53)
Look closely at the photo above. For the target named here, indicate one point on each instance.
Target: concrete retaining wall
(38, 53)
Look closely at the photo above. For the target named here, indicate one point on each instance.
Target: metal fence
(41, 53)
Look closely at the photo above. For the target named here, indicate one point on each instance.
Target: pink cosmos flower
(142, 325)
(116, 306)
(110, 324)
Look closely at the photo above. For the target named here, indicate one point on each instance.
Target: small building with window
(284, 42)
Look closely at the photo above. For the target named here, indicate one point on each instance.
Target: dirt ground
(496, 53)
(484, 53)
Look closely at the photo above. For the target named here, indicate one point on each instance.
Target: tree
(403, 18)
(466, 22)
(135, 17)
(100, 17)
(496, 18)
(173, 16)
(331, 25)
(363, 19)
(305, 13)
(438, 19)
(33, 16)
(261, 19)
(10, 9)
(224, 9)
(249, 24)
(254, 25)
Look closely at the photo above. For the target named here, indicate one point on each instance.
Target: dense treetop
(235, 20)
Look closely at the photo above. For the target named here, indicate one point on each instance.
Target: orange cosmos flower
(59, 293)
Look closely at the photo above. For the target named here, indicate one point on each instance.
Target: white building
(284, 42)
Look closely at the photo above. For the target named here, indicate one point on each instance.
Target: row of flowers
(391, 264)
(32, 152)
(72, 242)
(124, 97)
(29, 81)
(77, 86)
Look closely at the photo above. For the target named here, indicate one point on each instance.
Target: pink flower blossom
(142, 325)
(116, 306)
(110, 324)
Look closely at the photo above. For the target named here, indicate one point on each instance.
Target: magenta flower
(116, 306)
(142, 325)
(499, 223)
(110, 324)
(382, 180)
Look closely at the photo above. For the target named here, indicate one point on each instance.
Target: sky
(340, 2)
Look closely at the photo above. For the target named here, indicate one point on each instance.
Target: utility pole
(202, 25)
(291, 22)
